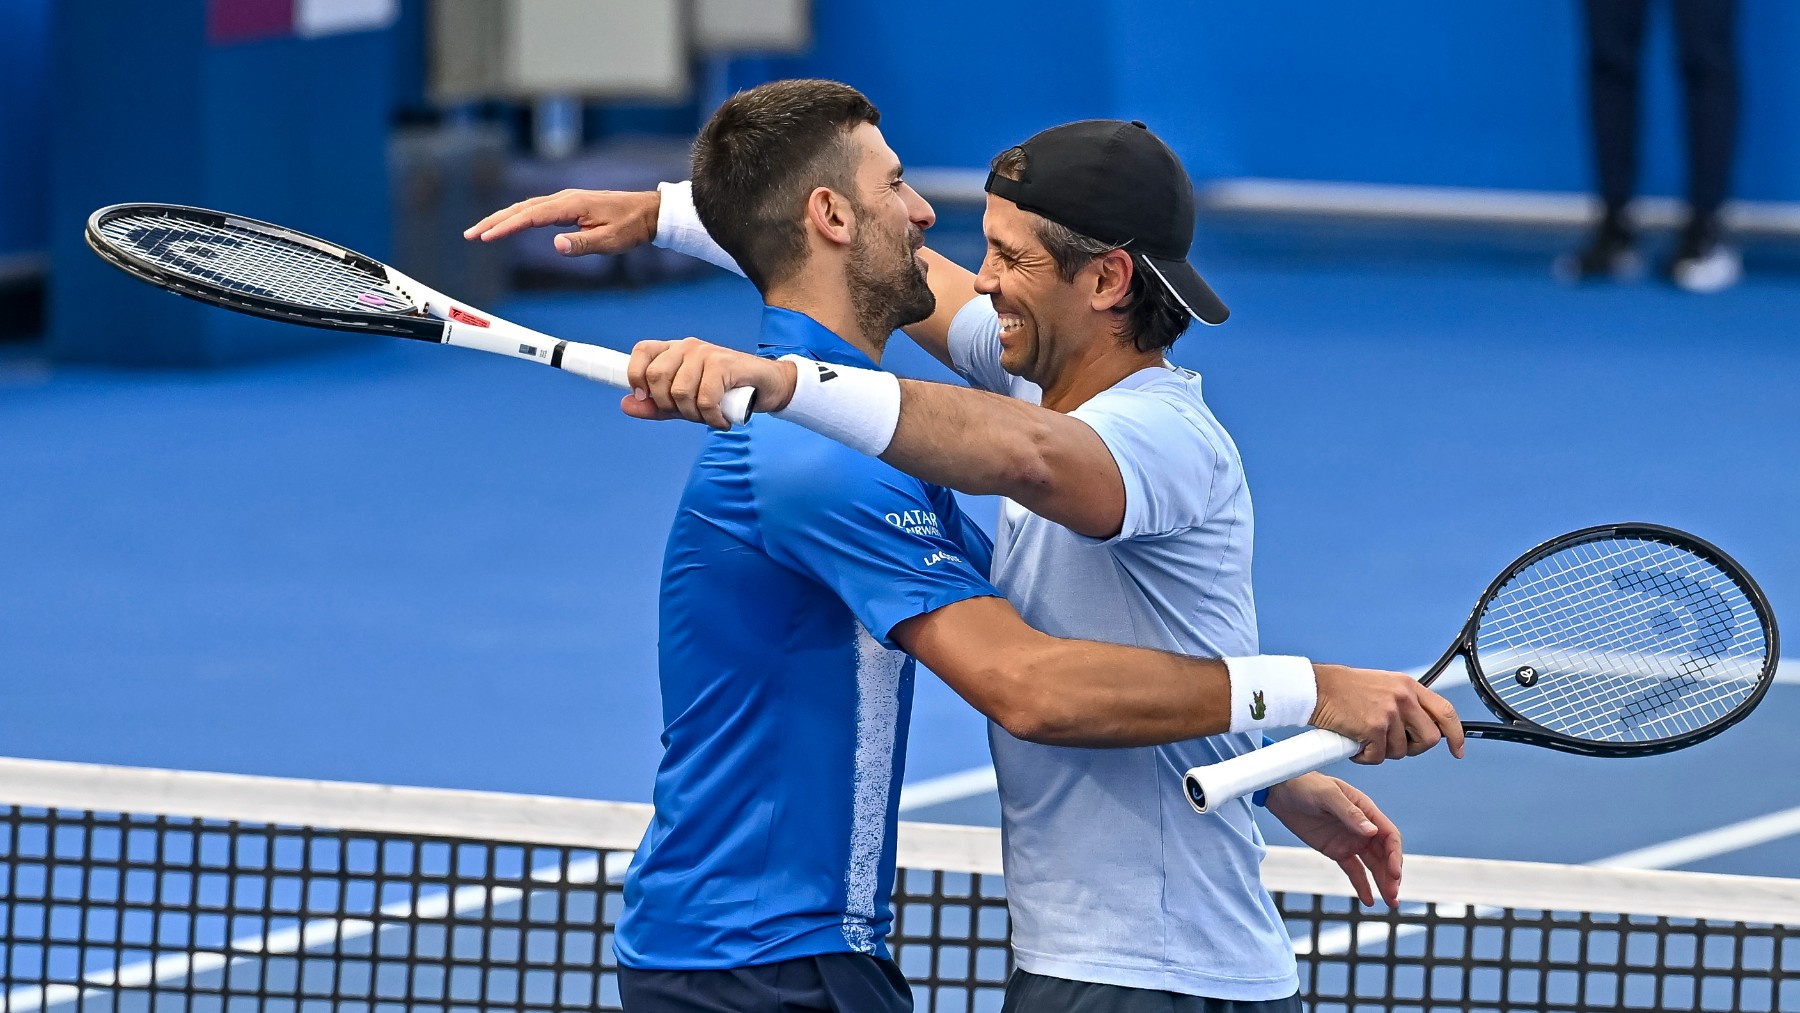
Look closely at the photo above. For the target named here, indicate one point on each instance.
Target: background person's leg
(1706, 33)
(1615, 35)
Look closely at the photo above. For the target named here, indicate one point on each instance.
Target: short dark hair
(758, 158)
(1151, 316)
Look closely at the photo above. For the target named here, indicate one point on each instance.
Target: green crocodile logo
(1257, 707)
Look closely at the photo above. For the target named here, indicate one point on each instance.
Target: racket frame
(1515, 727)
(418, 324)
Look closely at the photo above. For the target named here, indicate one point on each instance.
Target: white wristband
(1271, 691)
(859, 408)
(678, 227)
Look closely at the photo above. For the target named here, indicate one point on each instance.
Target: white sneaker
(1714, 269)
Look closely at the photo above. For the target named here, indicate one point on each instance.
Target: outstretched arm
(613, 221)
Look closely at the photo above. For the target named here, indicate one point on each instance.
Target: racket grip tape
(608, 366)
(1211, 786)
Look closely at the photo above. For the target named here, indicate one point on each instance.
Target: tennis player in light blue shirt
(1096, 839)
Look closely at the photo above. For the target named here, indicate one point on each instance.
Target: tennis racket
(266, 270)
(1618, 640)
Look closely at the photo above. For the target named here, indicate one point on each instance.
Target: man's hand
(1388, 712)
(687, 379)
(1342, 824)
(611, 221)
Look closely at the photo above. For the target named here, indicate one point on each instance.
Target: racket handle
(1215, 784)
(736, 405)
(608, 366)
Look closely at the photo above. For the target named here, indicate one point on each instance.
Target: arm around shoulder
(1052, 464)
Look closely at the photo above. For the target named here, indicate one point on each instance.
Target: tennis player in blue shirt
(801, 579)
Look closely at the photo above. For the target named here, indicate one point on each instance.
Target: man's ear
(830, 215)
(1113, 272)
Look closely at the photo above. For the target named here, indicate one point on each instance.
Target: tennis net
(161, 891)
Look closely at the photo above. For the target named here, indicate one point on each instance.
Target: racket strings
(252, 263)
(1588, 708)
(1647, 646)
(1561, 605)
(1653, 635)
(1622, 640)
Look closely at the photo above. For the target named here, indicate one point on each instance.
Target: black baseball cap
(1119, 183)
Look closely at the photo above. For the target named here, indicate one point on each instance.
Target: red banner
(229, 21)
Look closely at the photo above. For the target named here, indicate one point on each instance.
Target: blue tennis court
(421, 566)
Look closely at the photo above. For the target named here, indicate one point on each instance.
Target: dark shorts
(1034, 993)
(842, 982)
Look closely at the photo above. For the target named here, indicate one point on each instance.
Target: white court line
(967, 185)
(949, 788)
(1667, 855)
(1787, 673)
(1467, 204)
(1708, 843)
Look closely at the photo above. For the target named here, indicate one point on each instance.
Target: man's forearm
(969, 440)
(1082, 693)
(985, 444)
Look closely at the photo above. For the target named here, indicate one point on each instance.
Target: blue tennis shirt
(785, 705)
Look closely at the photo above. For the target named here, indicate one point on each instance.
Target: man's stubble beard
(888, 288)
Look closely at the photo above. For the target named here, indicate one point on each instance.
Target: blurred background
(231, 545)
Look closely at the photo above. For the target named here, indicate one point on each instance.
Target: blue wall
(1467, 93)
(24, 126)
(287, 130)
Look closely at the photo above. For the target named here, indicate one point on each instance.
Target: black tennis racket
(262, 269)
(1619, 640)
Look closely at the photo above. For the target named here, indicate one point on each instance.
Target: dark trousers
(1706, 36)
(1035, 993)
(838, 982)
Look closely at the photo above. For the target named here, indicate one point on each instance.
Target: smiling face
(885, 272)
(1046, 322)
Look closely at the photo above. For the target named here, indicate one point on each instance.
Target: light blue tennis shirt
(1110, 876)
(785, 704)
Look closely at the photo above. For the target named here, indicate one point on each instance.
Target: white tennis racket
(269, 271)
